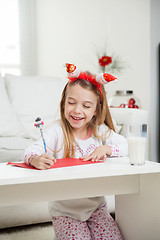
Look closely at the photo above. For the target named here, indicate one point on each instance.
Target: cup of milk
(137, 137)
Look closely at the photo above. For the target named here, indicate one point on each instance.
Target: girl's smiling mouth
(77, 118)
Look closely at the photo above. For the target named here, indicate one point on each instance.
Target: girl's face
(80, 106)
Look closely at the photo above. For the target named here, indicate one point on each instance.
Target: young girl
(85, 131)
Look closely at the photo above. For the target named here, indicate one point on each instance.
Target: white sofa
(22, 100)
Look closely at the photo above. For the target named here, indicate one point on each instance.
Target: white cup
(137, 137)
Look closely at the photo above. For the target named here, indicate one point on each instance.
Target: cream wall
(72, 30)
(155, 80)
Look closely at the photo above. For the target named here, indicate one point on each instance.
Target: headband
(97, 80)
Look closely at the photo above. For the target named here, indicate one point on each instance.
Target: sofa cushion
(34, 213)
(32, 97)
(20, 215)
(12, 148)
(9, 124)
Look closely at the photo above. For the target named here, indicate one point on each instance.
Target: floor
(43, 231)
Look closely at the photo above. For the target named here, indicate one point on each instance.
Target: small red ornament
(136, 106)
(130, 105)
(131, 101)
(122, 105)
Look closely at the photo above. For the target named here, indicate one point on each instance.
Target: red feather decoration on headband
(88, 77)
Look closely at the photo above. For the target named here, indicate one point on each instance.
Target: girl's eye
(86, 106)
(70, 102)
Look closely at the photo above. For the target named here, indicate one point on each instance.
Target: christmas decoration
(124, 99)
(130, 104)
(96, 80)
(38, 124)
(108, 60)
(105, 60)
(111, 64)
(72, 70)
(105, 77)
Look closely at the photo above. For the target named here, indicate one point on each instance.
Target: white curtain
(9, 37)
(27, 16)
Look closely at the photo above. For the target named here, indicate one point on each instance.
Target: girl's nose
(77, 108)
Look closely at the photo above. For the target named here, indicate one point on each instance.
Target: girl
(85, 131)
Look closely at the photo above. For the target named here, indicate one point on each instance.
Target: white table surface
(136, 190)
(110, 168)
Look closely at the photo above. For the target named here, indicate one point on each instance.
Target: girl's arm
(100, 153)
(35, 154)
(118, 144)
(115, 145)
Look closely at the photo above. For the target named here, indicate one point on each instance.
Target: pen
(38, 124)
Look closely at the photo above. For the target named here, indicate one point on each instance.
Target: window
(17, 37)
(9, 37)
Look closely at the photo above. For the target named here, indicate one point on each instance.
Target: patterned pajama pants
(100, 226)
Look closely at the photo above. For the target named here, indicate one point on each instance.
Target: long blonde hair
(102, 115)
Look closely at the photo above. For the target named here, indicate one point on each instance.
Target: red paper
(63, 162)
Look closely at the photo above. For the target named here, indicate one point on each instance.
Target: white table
(137, 190)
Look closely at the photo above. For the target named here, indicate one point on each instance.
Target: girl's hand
(42, 162)
(100, 153)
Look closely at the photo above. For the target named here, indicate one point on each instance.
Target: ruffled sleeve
(117, 142)
(54, 140)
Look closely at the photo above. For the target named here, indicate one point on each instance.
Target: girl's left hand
(100, 153)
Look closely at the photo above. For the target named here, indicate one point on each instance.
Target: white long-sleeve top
(80, 209)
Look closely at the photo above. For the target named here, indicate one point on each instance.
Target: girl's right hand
(42, 162)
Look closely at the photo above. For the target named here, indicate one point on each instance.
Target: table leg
(138, 215)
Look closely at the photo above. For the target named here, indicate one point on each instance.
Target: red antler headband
(96, 80)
